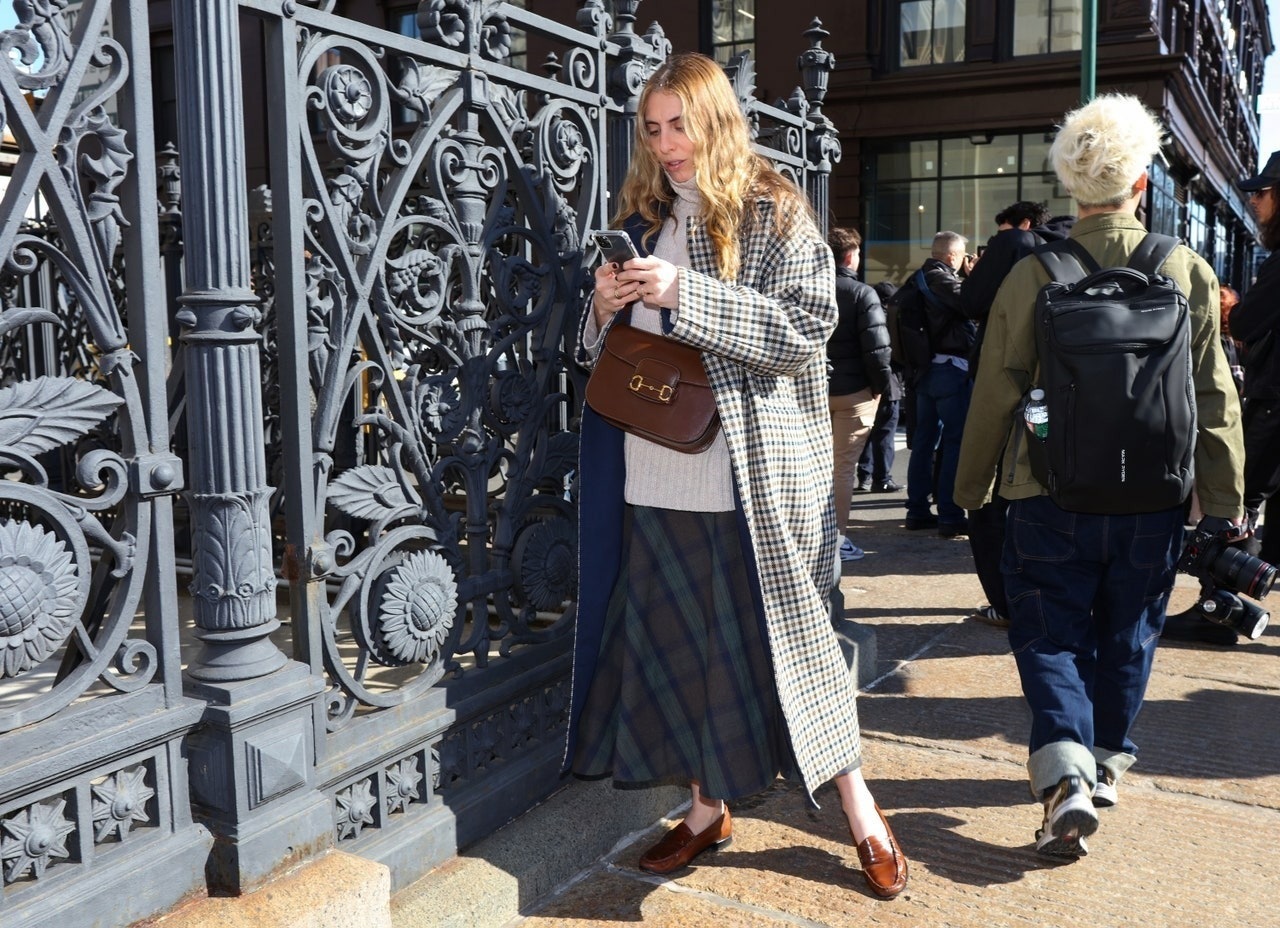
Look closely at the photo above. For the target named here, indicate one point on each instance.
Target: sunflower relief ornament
(38, 596)
(419, 600)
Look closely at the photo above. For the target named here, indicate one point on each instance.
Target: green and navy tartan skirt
(683, 686)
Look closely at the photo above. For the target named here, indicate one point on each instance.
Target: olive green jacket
(1008, 367)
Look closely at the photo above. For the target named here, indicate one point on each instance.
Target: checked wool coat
(763, 341)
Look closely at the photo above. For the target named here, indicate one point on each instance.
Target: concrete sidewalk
(1190, 843)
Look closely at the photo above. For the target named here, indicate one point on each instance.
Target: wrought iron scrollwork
(443, 273)
(74, 513)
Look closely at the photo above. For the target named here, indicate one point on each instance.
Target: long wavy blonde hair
(730, 175)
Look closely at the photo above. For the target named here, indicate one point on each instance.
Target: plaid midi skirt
(683, 686)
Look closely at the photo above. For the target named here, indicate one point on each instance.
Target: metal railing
(367, 364)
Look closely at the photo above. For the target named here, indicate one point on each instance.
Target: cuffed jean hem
(1061, 759)
(1115, 761)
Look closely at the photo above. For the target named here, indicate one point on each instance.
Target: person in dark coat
(1021, 227)
(858, 355)
(875, 465)
(1254, 323)
(941, 391)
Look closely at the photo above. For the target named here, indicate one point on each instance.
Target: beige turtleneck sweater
(658, 476)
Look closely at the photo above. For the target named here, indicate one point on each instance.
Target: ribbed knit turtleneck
(658, 476)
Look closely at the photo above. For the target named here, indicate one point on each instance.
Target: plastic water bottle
(1036, 413)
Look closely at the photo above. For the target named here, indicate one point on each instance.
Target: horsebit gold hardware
(662, 392)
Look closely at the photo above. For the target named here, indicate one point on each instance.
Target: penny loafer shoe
(680, 845)
(883, 865)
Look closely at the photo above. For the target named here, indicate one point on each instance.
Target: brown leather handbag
(654, 387)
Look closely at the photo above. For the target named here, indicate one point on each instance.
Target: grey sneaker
(850, 552)
(1104, 791)
(1068, 819)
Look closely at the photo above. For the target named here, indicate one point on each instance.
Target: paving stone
(1191, 843)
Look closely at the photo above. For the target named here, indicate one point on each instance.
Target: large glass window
(1221, 250)
(920, 187)
(1197, 228)
(1164, 209)
(1041, 27)
(969, 206)
(930, 32)
(905, 160)
(731, 25)
(901, 217)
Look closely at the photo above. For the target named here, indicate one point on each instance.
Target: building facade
(946, 108)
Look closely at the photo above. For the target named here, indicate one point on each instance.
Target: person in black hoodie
(1021, 227)
(858, 355)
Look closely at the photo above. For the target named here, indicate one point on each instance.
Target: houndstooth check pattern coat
(763, 344)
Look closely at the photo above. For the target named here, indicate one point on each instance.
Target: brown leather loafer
(883, 865)
(680, 845)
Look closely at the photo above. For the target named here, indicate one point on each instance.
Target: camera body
(1224, 572)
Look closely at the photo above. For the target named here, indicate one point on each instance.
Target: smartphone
(615, 245)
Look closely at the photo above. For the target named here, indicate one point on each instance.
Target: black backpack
(908, 322)
(1115, 364)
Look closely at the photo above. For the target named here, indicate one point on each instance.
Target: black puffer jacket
(859, 347)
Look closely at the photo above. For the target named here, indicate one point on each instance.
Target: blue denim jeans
(1087, 596)
(942, 402)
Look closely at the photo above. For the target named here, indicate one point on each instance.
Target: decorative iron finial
(169, 187)
(816, 64)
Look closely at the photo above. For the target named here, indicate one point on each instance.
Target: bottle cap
(1037, 394)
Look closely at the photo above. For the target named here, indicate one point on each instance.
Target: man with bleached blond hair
(1087, 591)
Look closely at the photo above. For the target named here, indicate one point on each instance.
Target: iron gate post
(252, 761)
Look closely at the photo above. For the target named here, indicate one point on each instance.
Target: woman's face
(1264, 204)
(664, 128)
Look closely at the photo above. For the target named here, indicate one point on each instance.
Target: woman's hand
(612, 294)
(657, 281)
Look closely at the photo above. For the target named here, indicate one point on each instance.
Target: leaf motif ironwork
(44, 413)
(371, 492)
(42, 36)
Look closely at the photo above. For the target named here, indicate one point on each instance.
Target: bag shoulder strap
(1066, 260)
(923, 286)
(1152, 252)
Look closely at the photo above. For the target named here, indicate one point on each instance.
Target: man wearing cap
(1256, 322)
(1087, 591)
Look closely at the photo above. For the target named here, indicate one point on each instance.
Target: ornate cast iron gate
(409, 479)
(93, 787)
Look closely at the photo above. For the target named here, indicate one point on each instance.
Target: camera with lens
(1225, 572)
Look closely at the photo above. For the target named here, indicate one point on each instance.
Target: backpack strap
(1152, 252)
(1066, 260)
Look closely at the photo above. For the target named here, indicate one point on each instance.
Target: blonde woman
(704, 654)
